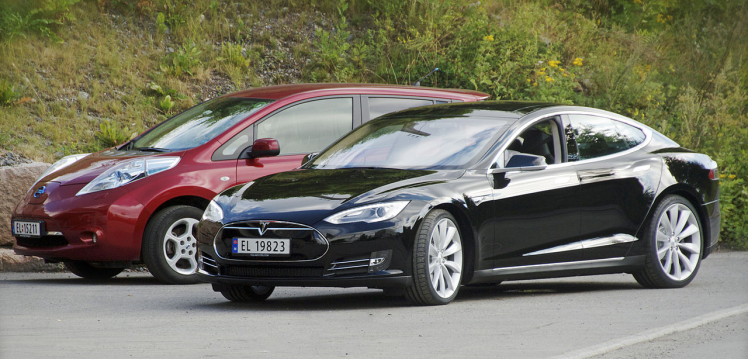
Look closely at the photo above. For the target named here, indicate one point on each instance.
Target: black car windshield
(198, 125)
(413, 143)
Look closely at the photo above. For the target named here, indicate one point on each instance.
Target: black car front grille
(286, 272)
(44, 241)
(305, 242)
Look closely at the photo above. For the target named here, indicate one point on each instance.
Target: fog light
(89, 237)
(380, 261)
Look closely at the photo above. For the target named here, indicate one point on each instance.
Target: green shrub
(35, 17)
(233, 55)
(184, 60)
(330, 62)
(110, 134)
(161, 23)
(165, 105)
(8, 93)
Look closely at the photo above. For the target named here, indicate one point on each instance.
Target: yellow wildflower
(553, 63)
(565, 75)
(731, 176)
(488, 38)
(549, 79)
(534, 83)
(561, 69)
(577, 61)
(722, 176)
(528, 80)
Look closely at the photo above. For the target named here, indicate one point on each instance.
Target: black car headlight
(213, 213)
(370, 213)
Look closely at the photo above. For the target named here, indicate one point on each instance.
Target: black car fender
(457, 207)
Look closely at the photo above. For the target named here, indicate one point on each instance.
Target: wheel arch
(193, 201)
(468, 235)
(692, 197)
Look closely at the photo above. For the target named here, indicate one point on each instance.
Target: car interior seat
(538, 143)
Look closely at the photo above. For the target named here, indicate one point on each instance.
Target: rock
(14, 182)
(83, 95)
(12, 159)
(11, 262)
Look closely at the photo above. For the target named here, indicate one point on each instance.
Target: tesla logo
(263, 227)
(40, 191)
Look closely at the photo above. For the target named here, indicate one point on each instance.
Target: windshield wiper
(151, 149)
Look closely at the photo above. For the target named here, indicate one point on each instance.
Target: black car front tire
(437, 260)
(674, 245)
(247, 293)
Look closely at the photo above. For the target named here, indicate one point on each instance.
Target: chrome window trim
(647, 134)
(306, 228)
(586, 244)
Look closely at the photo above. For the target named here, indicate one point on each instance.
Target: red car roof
(281, 91)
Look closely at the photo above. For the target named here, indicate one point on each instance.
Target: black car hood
(310, 195)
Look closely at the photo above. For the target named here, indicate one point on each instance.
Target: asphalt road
(60, 316)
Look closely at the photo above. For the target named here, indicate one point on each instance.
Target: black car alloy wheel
(437, 260)
(674, 243)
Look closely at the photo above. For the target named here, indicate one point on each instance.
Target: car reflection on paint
(425, 200)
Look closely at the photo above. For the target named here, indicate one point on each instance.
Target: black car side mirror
(309, 157)
(263, 147)
(523, 162)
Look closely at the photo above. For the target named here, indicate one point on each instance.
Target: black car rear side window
(592, 136)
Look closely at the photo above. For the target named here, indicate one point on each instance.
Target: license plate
(27, 228)
(262, 247)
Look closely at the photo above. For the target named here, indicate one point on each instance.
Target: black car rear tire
(437, 260)
(674, 245)
(247, 293)
(170, 244)
(88, 271)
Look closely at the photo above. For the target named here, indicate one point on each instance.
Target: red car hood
(87, 168)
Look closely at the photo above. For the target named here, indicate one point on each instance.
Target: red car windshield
(197, 125)
(413, 143)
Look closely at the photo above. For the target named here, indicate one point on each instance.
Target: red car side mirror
(263, 147)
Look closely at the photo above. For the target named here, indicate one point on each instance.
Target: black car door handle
(591, 175)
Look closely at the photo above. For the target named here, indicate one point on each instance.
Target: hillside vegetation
(82, 75)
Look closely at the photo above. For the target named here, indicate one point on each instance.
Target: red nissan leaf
(139, 202)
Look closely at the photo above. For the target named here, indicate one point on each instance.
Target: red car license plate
(27, 228)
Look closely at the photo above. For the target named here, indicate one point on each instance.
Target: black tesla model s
(422, 201)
